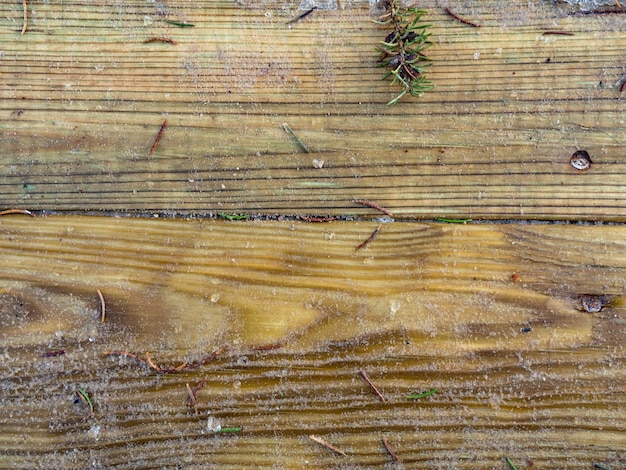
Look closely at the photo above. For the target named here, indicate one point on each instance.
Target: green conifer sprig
(402, 49)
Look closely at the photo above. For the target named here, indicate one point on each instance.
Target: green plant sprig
(402, 49)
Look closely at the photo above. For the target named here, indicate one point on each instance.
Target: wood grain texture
(82, 99)
(521, 372)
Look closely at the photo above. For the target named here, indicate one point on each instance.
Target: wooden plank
(83, 98)
(285, 315)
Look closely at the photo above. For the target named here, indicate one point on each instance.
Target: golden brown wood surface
(278, 319)
(276, 325)
(82, 98)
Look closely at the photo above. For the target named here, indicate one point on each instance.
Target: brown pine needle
(214, 354)
(306, 218)
(159, 39)
(373, 205)
(321, 441)
(302, 16)
(24, 26)
(192, 398)
(161, 370)
(157, 138)
(369, 382)
(103, 306)
(84, 397)
(462, 20)
(17, 211)
(58, 352)
(125, 353)
(370, 238)
(557, 33)
(152, 364)
(267, 347)
(201, 384)
(183, 366)
(392, 454)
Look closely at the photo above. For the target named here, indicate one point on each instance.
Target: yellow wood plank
(82, 99)
(487, 314)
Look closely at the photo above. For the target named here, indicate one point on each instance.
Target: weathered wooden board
(485, 313)
(279, 317)
(82, 99)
